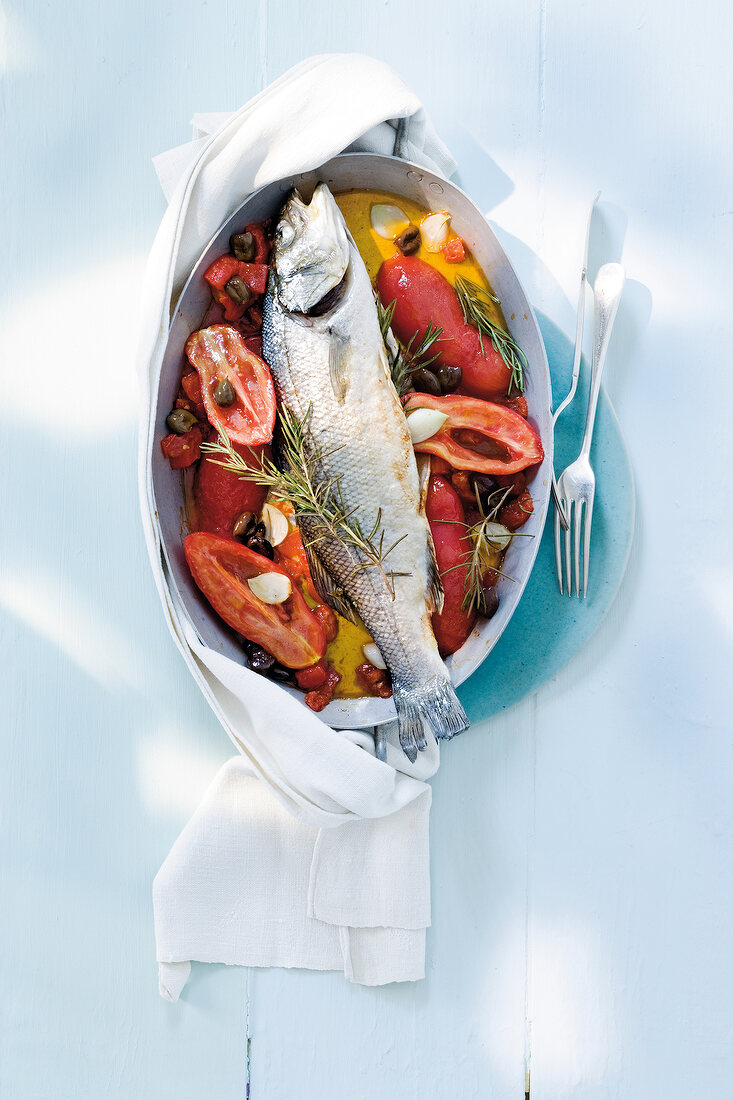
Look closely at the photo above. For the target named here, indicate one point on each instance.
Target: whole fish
(323, 343)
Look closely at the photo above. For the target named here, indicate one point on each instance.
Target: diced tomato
(423, 295)
(328, 619)
(461, 482)
(291, 557)
(454, 252)
(313, 677)
(182, 450)
(515, 513)
(221, 496)
(508, 442)
(322, 696)
(219, 353)
(374, 681)
(518, 405)
(219, 273)
(289, 630)
(262, 246)
(516, 483)
(192, 387)
(453, 549)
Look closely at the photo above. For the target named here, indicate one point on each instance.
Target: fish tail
(435, 704)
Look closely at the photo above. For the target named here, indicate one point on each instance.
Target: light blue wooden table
(582, 871)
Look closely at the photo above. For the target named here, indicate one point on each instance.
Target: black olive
(488, 603)
(281, 674)
(244, 525)
(409, 240)
(243, 246)
(238, 290)
(449, 378)
(426, 382)
(260, 546)
(259, 660)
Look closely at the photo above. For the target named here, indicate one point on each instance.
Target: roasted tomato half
(236, 385)
(221, 568)
(479, 435)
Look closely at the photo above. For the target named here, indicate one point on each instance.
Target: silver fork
(577, 484)
(577, 354)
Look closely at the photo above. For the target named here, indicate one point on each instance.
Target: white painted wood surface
(582, 875)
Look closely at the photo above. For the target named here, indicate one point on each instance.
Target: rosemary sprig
(404, 361)
(315, 498)
(476, 305)
(473, 597)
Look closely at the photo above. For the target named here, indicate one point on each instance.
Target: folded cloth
(307, 850)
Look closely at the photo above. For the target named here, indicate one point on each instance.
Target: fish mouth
(311, 254)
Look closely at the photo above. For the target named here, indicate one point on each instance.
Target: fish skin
(333, 369)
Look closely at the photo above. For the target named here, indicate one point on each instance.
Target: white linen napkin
(307, 850)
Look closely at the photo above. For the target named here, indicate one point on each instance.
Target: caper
(243, 524)
(181, 421)
(243, 246)
(224, 393)
(426, 382)
(449, 378)
(238, 290)
(409, 240)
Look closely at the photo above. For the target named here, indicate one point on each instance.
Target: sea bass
(323, 343)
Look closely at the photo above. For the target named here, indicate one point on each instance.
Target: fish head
(310, 252)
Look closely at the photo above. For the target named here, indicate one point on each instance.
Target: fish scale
(322, 341)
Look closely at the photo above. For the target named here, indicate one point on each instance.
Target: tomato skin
(422, 295)
(289, 631)
(453, 547)
(514, 439)
(221, 496)
(219, 352)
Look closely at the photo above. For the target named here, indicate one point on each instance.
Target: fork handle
(607, 291)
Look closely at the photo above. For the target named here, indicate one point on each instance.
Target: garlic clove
(434, 230)
(497, 535)
(373, 656)
(422, 423)
(276, 524)
(388, 221)
(270, 587)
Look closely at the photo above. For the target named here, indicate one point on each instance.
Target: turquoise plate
(547, 628)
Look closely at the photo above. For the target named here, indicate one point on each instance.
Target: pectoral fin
(326, 586)
(435, 595)
(339, 365)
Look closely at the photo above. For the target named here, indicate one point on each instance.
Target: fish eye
(286, 233)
